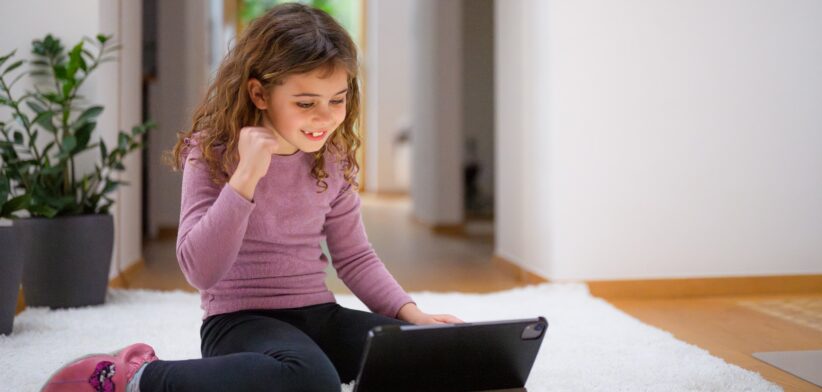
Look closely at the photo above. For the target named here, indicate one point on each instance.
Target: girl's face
(306, 109)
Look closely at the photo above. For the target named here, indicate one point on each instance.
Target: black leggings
(313, 348)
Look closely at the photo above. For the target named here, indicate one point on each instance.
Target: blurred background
(666, 153)
(514, 140)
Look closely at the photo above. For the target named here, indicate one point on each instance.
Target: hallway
(418, 258)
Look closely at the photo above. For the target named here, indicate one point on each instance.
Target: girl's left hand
(411, 313)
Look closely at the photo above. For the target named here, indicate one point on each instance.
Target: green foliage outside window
(347, 12)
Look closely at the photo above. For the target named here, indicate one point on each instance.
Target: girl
(268, 172)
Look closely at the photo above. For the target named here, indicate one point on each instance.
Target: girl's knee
(298, 373)
(316, 373)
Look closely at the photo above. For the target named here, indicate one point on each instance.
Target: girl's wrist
(243, 183)
(408, 312)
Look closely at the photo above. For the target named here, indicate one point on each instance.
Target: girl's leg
(339, 332)
(247, 351)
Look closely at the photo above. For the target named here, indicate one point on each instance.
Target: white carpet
(590, 345)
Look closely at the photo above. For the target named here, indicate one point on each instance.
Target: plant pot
(69, 259)
(11, 270)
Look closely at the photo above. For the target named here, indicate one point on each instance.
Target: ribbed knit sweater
(265, 253)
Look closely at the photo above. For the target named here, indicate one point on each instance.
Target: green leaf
(110, 186)
(17, 79)
(15, 204)
(52, 170)
(35, 107)
(60, 72)
(22, 119)
(103, 151)
(122, 140)
(88, 115)
(43, 210)
(65, 201)
(76, 58)
(69, 144)
(18, 137)
(53, 97)
(47, 47)
(83, 134)
(48, 147)
(12, 67)
(6, 57)
(5, 187)
(45, 120)
(67, 87)
(103, 38)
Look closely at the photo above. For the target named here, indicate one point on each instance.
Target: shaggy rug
(590, 345)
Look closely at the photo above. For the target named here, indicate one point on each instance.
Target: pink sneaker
(101, 372)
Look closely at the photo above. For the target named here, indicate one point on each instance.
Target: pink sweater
(265, 253)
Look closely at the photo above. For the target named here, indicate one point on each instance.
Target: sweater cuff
(394, 310)
(235, 200)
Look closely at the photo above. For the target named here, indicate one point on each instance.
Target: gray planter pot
(68, 260)
(11, 270)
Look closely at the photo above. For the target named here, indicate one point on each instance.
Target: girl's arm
(356, 262)
(362, 271)
(213, 221)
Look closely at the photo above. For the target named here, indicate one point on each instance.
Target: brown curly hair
(289, 39)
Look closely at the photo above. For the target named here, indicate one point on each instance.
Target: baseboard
(165, 233)
(680, 288)
(120, 281)
(21, 302)
(513, 269)
(457, 229)
(706, 287)
(392, 195)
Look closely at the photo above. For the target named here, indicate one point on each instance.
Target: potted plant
(11, 258)
(68, 236)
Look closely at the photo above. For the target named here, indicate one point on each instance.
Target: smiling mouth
(315, 133)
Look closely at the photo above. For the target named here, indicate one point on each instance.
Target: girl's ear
(257, 94)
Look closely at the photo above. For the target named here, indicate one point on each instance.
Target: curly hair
(289, 39)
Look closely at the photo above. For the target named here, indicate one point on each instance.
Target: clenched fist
(256, 146)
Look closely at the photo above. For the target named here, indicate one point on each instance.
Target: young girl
(268, 172)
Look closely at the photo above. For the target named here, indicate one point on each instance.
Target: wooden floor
(729, 327)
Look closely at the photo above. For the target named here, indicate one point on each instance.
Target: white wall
(388, 99)
(115, 85)
(674, 139)
(520, 208)
(437, 141)
(183, 62)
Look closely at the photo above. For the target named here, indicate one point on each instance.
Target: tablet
(494, 355)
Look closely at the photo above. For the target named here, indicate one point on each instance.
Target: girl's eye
(309, 105)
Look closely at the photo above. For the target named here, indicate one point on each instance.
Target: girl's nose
(322, 115)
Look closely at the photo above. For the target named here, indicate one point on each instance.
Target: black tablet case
(449, 357)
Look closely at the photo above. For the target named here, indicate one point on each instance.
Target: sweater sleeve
(213, 221)
(356, 262)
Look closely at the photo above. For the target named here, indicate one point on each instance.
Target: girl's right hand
(256, 146)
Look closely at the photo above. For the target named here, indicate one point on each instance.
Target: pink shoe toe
(101, 372)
